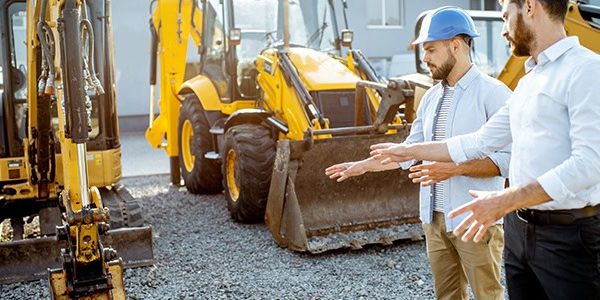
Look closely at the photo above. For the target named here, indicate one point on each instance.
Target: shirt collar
(466, 79)
(552, 53)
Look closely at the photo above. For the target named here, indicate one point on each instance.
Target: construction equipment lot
(201, 254)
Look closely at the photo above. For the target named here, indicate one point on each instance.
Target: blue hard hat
(445, 23)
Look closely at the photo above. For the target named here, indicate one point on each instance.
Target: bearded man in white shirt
(552, 223)
(460, 103)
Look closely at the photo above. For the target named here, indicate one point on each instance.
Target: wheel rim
(234, 190)
(187, 132)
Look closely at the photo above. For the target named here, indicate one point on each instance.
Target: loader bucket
(30, 259)
(307, 211)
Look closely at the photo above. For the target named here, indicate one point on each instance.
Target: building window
(485, 5)
(385, 13)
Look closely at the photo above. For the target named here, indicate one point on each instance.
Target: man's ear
(456, 45)
(531, 6)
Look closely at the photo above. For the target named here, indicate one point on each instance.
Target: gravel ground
(201, 254)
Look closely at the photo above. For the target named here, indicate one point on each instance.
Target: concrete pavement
(139, 159)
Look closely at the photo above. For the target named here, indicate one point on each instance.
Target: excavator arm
(67, 81)
(183, 20)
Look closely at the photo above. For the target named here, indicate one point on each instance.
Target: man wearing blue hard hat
(463, 100)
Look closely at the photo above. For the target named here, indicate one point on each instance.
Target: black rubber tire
(255, 154)
(205, 176)
(124, 210)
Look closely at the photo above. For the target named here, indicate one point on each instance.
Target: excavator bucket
(308, 211)
(30, 259)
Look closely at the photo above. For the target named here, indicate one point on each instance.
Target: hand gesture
(390, 152)
(428, 174)
(345, 170)
(485, 210)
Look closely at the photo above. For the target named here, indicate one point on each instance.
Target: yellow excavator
(257, 98)
(492, 54)
(60, 152)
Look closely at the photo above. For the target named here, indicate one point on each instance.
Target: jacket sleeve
(417, 135)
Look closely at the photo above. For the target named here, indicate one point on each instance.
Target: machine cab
(259, 25)
(13, 89)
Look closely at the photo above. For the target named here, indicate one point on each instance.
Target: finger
(382, 151)
(428, 183)
(375, 153)
(481, 233)
(332, 172)
(471, 231)
(336, 168)
(462, 209)
(335, 175)
(417, 168)
(420, 179)
(381, 146)
(424, 172)
(343, 176)
(462, 227)
(332, 168)
(416, 174)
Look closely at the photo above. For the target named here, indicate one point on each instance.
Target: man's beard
(444, 70)
(523, 39)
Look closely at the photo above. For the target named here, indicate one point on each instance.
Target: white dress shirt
(553, 122)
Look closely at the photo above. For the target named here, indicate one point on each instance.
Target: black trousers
(552, 261)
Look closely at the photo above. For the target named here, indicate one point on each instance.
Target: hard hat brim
(421, 40)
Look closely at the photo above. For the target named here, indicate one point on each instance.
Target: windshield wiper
(319, 32)
(270, 39)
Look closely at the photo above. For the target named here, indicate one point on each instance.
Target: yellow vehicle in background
(583, 20)
(269, 105)
(60, 157)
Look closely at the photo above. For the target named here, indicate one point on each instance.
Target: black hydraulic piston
(74, 83)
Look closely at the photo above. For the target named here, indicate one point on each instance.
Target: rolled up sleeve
(416, 130)
(497, 99)
(502, 160)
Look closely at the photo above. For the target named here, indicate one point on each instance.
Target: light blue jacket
(477, 97)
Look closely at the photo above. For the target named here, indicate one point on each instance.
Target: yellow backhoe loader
(60, 152)
(491, 53)
(270, 103)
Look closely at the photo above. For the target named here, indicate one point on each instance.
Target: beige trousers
(453, 262)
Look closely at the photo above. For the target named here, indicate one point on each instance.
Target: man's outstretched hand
(390, 152)
(431, 173)
(345, 170)
(485, 209)
(488, 207)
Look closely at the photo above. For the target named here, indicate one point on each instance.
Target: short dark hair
(465, 38)
(556, 9)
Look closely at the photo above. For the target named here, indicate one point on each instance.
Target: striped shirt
(477, 97)
(439, 134)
